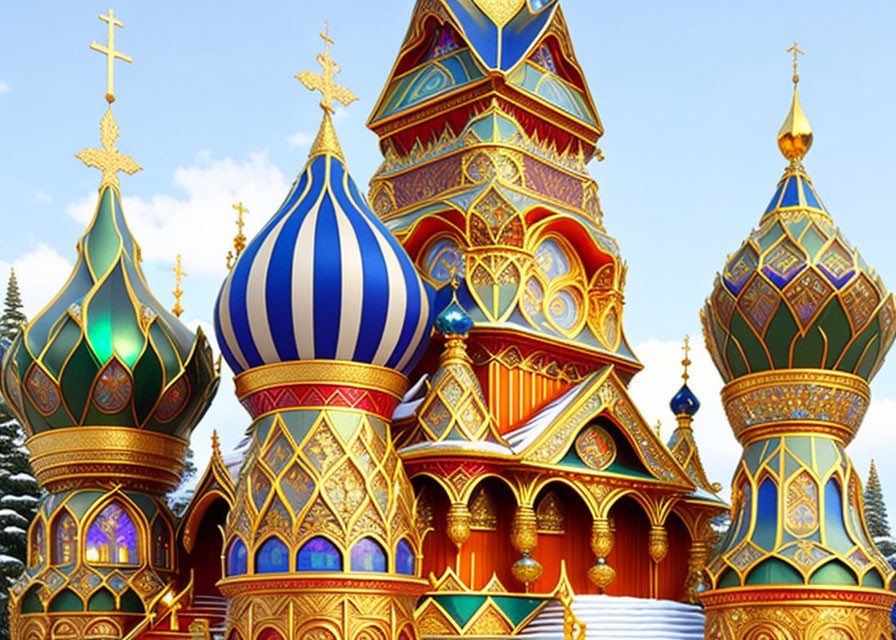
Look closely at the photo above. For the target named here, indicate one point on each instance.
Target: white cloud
(300, 140)
(4, 88)
(653, 388)
(43, 198)
(200, 224)
(41, 272)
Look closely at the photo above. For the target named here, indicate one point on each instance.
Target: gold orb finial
(686, 361)
(795, 136)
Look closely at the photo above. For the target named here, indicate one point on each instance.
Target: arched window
(64, 534)
(368, 555)
(272, 557)
(404, 558)
(37, 553)
(272, 634)
(319, 554)
(237, 558)
(112, 537)
(161, 544)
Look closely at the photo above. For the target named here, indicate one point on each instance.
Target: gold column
(603, 537)
(697, 557)
(524, 537)
(658, 543)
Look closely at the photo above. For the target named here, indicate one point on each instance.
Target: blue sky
(691, 95)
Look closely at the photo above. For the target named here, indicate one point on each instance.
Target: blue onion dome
(104, 351)
(453, 320)
(685, 402)
(324, 279)
(796, 294)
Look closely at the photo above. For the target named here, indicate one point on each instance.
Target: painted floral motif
(759, 302)
(173, 400)
(42, 390)
(114, 388)
(596, 447)
(806, 294)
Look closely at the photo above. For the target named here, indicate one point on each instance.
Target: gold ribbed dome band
(321, 372)
(143, 460)
(794, 401)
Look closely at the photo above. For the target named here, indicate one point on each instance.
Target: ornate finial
(239, 241)
(323, 82)
(216, 444)
(110, 53)
(179, 273)
(795, 136)
(794, 49)
(687, 361)
(326, 141)
(109, 160)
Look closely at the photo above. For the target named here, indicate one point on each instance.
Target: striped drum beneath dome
(324, 279)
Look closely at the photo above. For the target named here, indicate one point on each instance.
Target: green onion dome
(797, 294)
(105, 352)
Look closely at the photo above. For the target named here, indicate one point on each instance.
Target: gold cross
(239, 242)
(179, 273)
(796, 52)
(109, 160)
(323, 82)
(687, 361)
(110, 53)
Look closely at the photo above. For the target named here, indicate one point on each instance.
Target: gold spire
(110, 53)
(179, 273)
(326, 141)
(239, 241)
(795, 136)
(108, 159)
(687, 361)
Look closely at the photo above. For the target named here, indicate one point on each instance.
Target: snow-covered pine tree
(19, 492)
(181, 496)
(876, 514)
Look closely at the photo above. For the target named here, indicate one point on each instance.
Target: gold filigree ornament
(108, 159)
(500, 11)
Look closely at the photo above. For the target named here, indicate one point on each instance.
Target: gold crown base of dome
(140, 460)
(798, 613)
(794, 401)
(321, 372)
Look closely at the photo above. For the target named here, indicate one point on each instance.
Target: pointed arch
(405, 559)
(237, 563)
(319, 554)
(368, 555)
(160, 542)
(37, 543)
(272, 556)
(112, 535)
(64, 538)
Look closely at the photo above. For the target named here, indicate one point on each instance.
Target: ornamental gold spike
(686, 362)
(795, 136)
(239, 241)
(326, 141)
(178, 292)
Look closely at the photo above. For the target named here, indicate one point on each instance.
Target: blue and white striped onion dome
(326, 280)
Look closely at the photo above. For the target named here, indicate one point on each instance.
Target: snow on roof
(520, 438)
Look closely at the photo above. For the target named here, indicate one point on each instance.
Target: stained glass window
(112, 537)
(272, 557)
(443, 43)
(161, 544)
(38, 544)
(65, 532)
(444, 259)
(553, 261)
(404, 558)
(544, 58)
(368, 555)
(319, 554)
(237, 558)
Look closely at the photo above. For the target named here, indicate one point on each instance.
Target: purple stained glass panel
(112, 537)
(404, 558)
(273, 557)
(319, 554)
(368, 555)
(237, 558)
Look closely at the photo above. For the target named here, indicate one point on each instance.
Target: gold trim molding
(78, 456)
(797, 400)
(336, 372)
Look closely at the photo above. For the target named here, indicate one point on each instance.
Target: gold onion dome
(797, 294)
(105, 352)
